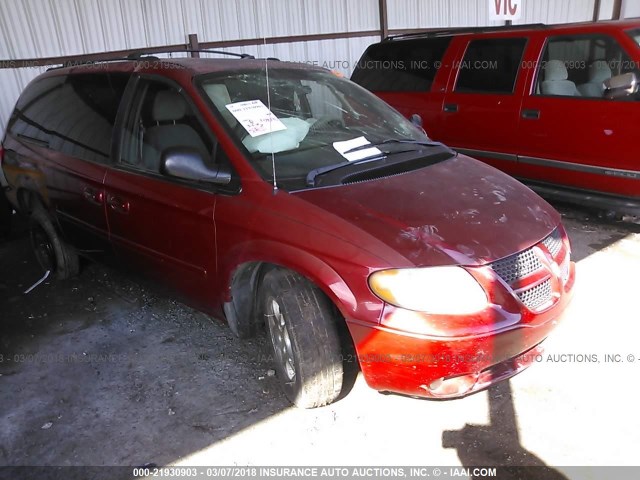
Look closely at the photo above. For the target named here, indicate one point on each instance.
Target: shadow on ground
(498, 443)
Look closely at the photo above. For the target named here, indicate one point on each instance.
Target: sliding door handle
(93, 196)
(117, 204)
(450, 108)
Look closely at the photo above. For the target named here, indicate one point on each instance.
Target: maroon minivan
(291, 197)
(555, 106)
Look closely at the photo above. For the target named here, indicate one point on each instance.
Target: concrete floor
(103, 370)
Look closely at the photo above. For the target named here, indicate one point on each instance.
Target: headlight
(436, 290)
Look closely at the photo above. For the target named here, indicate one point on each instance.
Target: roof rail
(137, 55)
(79, 63)
(140, 54)
(437, 32)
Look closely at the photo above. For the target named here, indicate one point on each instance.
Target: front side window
(160, 119)
(491, 65)
(316, 120)
(578, 66)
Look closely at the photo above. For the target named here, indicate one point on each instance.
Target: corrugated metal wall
(44, 28)
(606, 9)
(41, 28)
(437, 13)
(565, 11)
(631, 9)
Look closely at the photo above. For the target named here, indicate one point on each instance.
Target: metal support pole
(384, 19)
(194, 45)
(617, 9)
(596, 10)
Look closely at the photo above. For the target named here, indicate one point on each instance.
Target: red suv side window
(577, 65)
(491, 65)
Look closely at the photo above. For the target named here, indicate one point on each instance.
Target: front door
(159, 224)
(481, 109)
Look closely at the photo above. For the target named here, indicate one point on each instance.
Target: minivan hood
(459, 211)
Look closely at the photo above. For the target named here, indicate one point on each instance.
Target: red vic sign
(505, 9)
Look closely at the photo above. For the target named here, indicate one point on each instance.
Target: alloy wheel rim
(281, 340)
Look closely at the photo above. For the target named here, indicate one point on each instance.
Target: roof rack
(141, 54)
(80, 63)
(460, 30)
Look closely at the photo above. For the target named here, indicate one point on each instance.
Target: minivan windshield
(317, 122)
(635, 34)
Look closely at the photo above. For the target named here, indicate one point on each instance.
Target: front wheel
(301, 322)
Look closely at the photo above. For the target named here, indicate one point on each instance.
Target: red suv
(275, 193)
(555, 106)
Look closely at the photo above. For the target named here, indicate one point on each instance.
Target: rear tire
(51, 252)
(301, 320)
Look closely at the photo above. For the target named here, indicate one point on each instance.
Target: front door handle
(531, 114)
(450, 107)
(117, 204)
(94, 196)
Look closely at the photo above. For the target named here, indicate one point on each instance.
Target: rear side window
(401, 65)
(72, 114)
(28, 118)
(491, 65)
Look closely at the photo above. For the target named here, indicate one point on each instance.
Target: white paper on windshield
(255, 117)
(343, 147)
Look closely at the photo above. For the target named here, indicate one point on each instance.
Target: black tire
(51, 252)
(310, 368)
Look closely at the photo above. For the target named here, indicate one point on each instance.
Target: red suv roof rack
(460, 30)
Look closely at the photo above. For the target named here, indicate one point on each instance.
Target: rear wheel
(51, 252)
(301, 322)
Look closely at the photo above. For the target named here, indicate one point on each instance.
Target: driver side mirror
(621, 86)
(187, 163)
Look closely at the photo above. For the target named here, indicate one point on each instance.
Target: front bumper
(457, 365)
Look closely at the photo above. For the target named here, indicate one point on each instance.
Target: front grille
(537, 296)
(517, 266)
(553, 243)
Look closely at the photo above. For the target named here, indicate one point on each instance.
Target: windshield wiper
(313, 174)
(394, 140)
